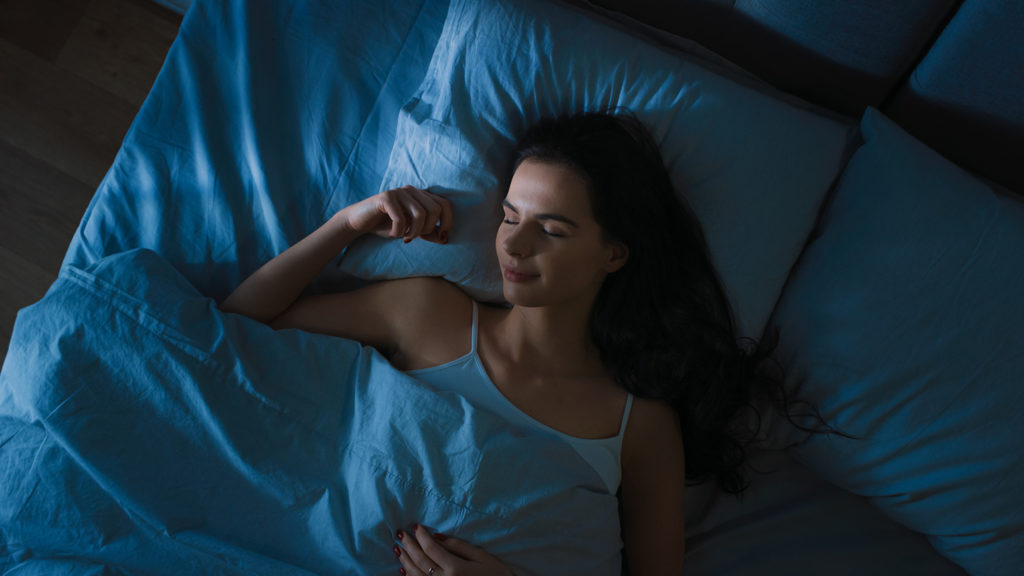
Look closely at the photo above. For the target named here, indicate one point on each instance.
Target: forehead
(540, 186)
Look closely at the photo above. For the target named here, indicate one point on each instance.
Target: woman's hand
(423, 554)
(407, 212)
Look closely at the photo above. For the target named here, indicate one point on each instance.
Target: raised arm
(404, 212)
(273, 288)
(385, 314)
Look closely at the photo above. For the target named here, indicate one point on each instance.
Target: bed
(143, 431)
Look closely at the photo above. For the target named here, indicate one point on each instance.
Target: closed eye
(511, 222)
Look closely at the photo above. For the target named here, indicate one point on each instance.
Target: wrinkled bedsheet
(142, 430)
(265, 119)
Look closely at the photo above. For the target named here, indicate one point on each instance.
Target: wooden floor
(73, 74)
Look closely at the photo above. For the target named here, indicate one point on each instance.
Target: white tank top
(466, 376)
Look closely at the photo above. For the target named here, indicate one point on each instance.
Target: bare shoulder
(410, 319)
(429, 289)
(433, 324)
(433, 300)
(653, 427)
(651, 417)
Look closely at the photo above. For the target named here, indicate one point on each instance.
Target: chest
(580, 407)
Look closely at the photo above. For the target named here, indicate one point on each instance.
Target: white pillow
(755, 169)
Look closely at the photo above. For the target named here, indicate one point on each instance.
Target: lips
(513, 275)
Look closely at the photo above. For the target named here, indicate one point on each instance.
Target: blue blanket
(144, 431)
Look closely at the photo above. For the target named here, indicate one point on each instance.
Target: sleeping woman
(619, 337)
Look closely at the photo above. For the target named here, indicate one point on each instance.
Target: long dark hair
(662, 322)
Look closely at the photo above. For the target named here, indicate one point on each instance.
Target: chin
(518, 296)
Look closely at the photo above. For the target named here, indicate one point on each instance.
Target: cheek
(499, 237)
(578, 265)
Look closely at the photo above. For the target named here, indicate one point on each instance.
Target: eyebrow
(546, 216)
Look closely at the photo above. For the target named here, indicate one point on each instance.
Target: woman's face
(550, 247)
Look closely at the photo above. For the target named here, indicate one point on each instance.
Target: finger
(417, 217)
(432, 228)
(410, 207)
(412, 556)
(403, 559)
(409, 568)
(436, 554)
(460, 547)
(433, 208)
(442, 220)
(447, 218)
(393, 208)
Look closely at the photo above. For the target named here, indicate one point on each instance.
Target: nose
(515, 242)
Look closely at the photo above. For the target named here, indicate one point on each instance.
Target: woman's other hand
(404, 212)
(423, 554)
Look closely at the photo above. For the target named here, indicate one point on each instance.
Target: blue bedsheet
(145, 431)
(265, 119)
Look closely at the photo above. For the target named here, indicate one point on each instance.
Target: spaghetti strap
(625, 414)
(468, 377)
(472, 349)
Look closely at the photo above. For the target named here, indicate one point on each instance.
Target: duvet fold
(142, 430)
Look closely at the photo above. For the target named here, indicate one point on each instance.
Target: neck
(553, 339)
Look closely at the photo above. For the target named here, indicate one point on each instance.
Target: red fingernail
(415, 527)
(406, 240)
(401, 571)
(399, 535)
(398, 552)
(440, 537)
